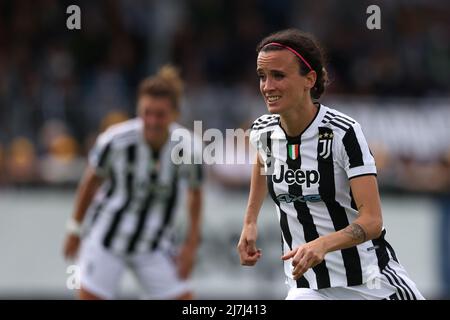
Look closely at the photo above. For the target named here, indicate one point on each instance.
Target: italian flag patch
(293, 151)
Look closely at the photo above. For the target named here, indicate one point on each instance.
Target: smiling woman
(316, 164)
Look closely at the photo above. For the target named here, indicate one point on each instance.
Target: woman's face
(280, 82)
(157, 114)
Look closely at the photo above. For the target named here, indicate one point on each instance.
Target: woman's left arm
(369, 223)
(366, 227)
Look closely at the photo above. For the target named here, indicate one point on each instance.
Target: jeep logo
(298, 176)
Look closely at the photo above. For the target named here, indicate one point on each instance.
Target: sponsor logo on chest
(300, 177)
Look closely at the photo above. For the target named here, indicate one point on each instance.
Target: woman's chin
(274, 108)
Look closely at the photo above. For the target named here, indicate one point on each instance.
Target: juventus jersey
(133, 209)
(308, 179)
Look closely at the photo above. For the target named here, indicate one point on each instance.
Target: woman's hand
(246, 247)
(306, 256)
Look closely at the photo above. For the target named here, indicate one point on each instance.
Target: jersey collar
(310, 130)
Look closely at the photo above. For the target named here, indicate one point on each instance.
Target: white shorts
(392, 284)
(102, 270)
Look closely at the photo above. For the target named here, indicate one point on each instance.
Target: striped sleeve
(256, 143)
(100, 155)
(356, 157)
(259, 134)
(195, 175)
(194, 170)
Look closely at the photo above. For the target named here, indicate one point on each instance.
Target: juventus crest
(325, 143)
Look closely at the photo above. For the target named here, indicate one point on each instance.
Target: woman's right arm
(248, 253)
(86, 192)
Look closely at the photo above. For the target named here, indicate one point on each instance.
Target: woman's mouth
(272, 99)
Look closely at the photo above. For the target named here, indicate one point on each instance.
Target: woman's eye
(278, 76)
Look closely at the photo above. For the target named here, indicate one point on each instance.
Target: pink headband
(291, 50)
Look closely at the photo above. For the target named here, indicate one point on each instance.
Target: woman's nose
(268, 85)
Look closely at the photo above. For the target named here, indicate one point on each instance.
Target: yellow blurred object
(112, 118)
(21, 160)
(21, 152)
(64, 148)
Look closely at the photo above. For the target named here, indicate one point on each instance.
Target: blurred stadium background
(60, 88)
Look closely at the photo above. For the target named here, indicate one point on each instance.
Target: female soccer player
(129, 192)
(318, 169)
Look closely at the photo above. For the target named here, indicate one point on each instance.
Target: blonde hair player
(125, 206)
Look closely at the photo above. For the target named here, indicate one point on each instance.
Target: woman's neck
(296, 120)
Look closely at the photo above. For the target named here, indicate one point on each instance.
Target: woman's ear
(311, 78)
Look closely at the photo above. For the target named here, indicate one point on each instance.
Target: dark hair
(307, 46)
(166, 83)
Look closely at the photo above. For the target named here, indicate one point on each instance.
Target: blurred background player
(124, 210)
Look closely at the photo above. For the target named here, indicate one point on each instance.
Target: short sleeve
(193, 170)
(195, 175)
(260, 140)
(100, 155)
(356, 158)
(255, 141)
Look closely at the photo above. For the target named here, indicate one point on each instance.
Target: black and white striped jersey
(308, 179)
(133, 210)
